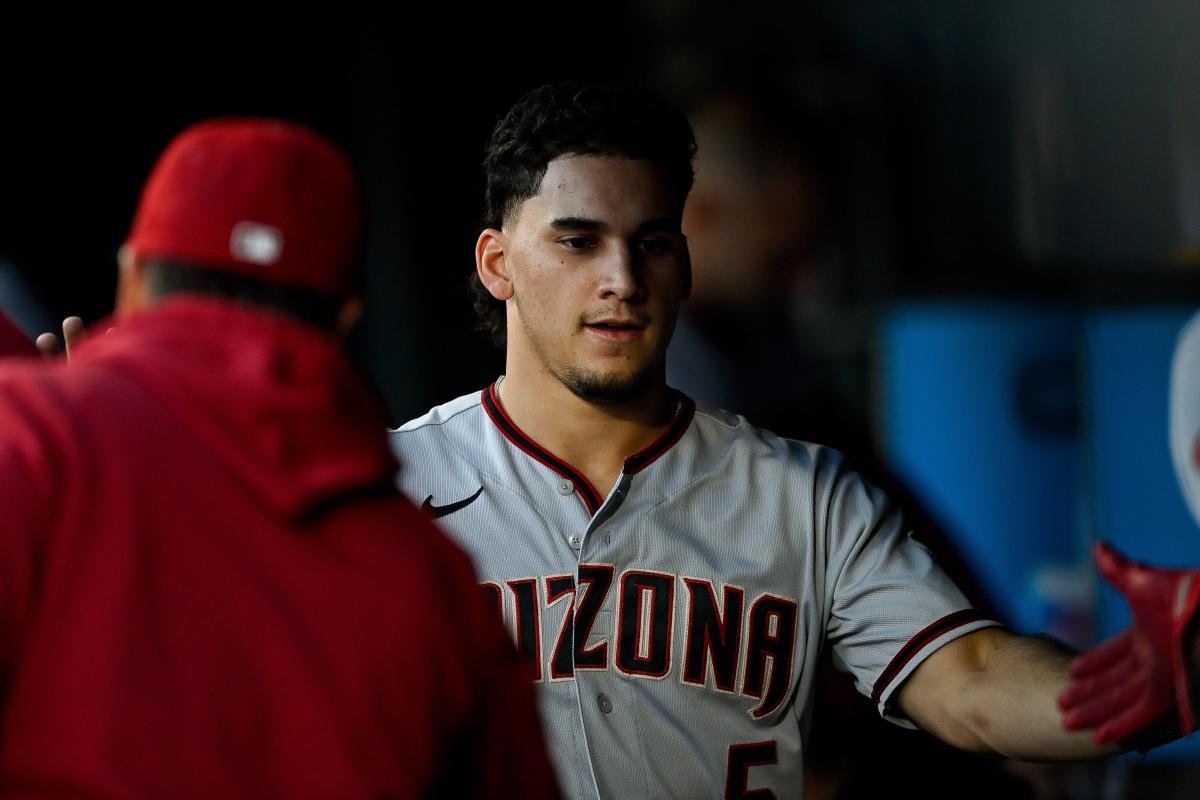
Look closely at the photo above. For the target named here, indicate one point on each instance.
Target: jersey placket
(605, 697)
(600, 693)
(568, 480)
(572, 481)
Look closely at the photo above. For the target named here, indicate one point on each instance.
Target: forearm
(992, 691)
(1009, 705)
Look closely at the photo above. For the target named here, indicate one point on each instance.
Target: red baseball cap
(258, 197)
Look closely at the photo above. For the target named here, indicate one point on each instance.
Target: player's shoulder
(446, 419)
(25, 395)
(448, 431)
(43, 389)
(735, 437)
(46, 407)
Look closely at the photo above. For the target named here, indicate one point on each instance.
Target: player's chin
(610, 383)
(623, 364)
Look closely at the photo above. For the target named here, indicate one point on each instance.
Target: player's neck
(595, 438)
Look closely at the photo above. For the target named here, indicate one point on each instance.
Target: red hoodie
(209, 587)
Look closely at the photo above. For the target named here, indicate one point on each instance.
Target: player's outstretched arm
(1140, 687)
(994, 691)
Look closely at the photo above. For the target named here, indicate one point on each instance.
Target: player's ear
(133, 290)
(491, 264)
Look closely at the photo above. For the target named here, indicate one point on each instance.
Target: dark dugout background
(411, 96)
(934, 112)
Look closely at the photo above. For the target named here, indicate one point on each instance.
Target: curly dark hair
(569, 118)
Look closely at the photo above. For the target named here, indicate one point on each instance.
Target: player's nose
(620, 276)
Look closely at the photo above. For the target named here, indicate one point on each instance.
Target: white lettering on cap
(256, 243)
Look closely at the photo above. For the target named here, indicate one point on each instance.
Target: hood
(277, 402)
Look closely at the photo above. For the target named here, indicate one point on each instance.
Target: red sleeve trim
(919, 642)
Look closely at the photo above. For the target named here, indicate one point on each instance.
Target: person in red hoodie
(208, 585)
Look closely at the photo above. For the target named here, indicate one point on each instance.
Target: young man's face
(598, 269)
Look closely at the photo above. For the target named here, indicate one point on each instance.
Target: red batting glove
(1138, 687)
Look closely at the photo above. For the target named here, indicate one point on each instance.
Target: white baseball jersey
(1185, 414)
(675, 625)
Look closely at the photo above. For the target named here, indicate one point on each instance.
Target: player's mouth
(616, 330)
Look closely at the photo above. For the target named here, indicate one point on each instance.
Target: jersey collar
(685, 410)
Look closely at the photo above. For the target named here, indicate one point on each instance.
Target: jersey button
(565, 487)
(574, 541)
(604, 703)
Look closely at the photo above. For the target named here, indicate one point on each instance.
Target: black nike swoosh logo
(440, 511)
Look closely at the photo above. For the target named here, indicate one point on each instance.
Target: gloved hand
(1139, 688)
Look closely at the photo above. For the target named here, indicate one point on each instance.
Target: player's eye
(578, 242)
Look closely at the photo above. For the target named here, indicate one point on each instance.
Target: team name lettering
(729, 644)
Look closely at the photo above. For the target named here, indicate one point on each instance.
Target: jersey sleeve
(1185, 414)
(889, 604)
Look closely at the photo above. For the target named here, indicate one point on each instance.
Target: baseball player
(671, 571)
(1142, 687)
(209, 586)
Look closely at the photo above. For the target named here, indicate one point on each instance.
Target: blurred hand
(1139, 688)
(73, 336)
